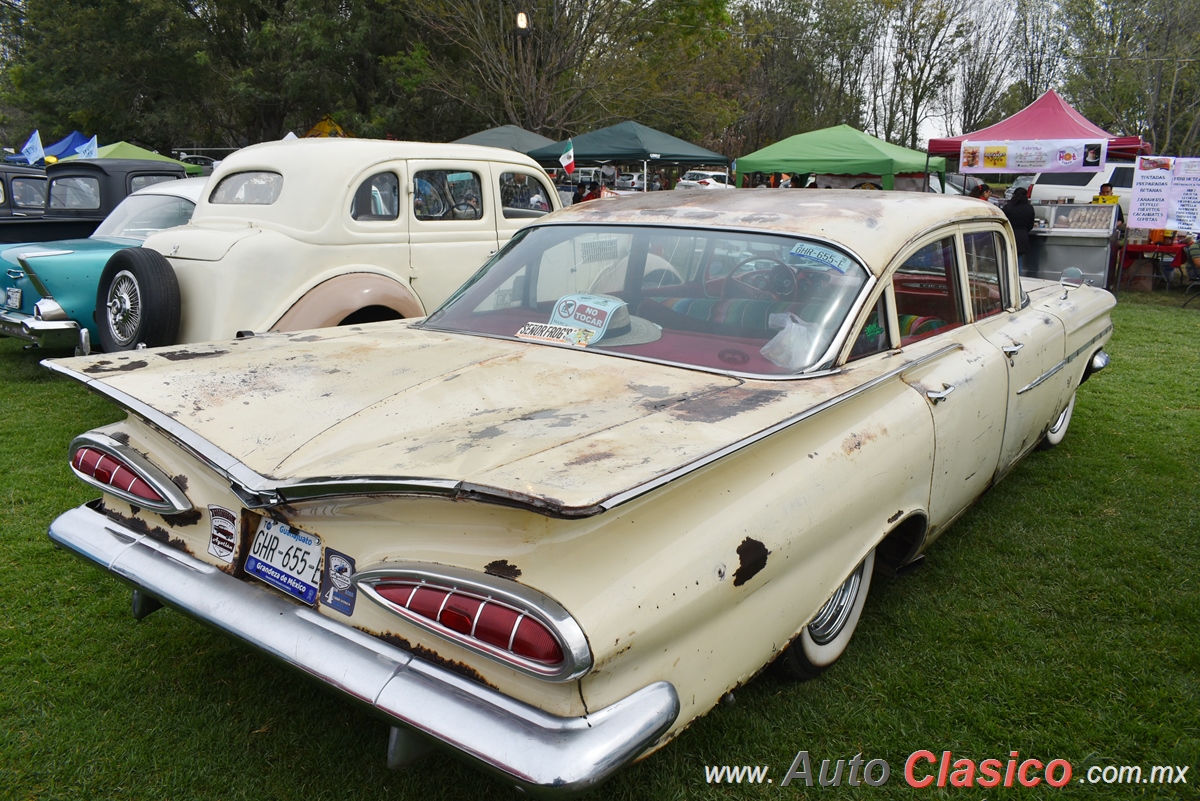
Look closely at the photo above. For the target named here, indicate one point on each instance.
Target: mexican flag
(567, 159)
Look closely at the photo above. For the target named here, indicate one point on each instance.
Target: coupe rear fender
(331, 302)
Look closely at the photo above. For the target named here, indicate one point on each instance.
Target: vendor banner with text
(1038, 155)
(1166, 194)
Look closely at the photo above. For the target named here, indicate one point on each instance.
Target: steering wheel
(777, 283)
(464, 211)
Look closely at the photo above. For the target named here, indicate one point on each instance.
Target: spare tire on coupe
(137, 301)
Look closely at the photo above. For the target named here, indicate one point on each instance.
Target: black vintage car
(22, 192)
(77, 195)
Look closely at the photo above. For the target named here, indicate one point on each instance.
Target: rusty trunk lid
(565, 427)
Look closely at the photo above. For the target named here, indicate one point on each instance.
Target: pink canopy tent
(1048, 117)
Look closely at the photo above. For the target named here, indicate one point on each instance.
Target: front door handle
(15, 274)
(1012, 350)
(938, 397)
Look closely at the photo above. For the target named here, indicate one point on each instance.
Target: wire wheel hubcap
(124, 307)
(829, 622)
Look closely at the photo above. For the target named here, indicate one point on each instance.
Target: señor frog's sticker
(823, 255)
(561, 334)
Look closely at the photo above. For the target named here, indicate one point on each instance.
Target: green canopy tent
(840, 150)
(124, 150)
(627, 143)
(509, 137)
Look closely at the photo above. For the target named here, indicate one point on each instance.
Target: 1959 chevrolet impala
(654, 445)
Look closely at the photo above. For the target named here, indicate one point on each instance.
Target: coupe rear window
(29, 193)
(253, 188)
(717, 300)
(74, 192)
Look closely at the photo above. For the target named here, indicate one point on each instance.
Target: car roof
(186, 188)
(871, 224)
(350, 155)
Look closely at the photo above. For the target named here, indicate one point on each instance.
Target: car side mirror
(1072, 278)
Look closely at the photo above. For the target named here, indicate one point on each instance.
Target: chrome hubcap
(124, 307)
(829, 622)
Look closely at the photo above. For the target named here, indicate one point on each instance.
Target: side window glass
(523, 196)
(377, 198)
(248, 189)
(75, 192)
(985, 273)
(3, 194)
(142, 181)
(873, 338)
(447, 195)
(926, 288)
(29, 193)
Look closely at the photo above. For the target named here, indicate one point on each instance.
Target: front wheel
(823, 641)
(137, 301)
(1058, 431)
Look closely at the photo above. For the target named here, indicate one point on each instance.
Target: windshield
(717, 300)
(138, 216)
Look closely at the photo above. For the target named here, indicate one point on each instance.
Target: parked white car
(1081, 187)
(311, 233)
(704, 179)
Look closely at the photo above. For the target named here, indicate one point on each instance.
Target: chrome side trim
(1041, 379)
(1084, 348)
(259, 492)
(176, 501)
(523, 745)
(22, 259)
(578, 656)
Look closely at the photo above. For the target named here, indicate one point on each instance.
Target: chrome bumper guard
(525, 746)
(45, 333)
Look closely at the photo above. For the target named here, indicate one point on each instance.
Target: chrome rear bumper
(525, 746)
(45, 333)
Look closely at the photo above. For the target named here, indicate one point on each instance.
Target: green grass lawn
(1059, 618)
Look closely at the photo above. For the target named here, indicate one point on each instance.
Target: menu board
(1166, 194)
(1035, 155)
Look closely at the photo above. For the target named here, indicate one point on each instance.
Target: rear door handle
(1012, 350)
(15, 274)
(938, 397)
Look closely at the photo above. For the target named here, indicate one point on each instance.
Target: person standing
(1106, 190)
(982, 192)
(1019, 212)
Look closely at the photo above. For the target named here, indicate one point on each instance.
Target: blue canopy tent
(61, 149)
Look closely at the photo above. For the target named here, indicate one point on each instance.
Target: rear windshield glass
(138, 216)
(74, 192)
(716, 300)
(1066, 178)
(255, 188)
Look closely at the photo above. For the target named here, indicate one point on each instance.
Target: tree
(577, 55)
(973, 98)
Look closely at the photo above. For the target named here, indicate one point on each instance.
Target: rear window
(254, 188)
(75, 192)
(1066, 178)
(1122, 177)
(142, 181)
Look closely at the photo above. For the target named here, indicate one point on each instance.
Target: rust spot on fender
(752, 557)
(180, 481)
(156, 533)
(855, 441)
(461, 668)
(897, 516)
(121, 437)
(714, 407)
(188, 355)
(502, 569)
(189, 518)
(105, 367)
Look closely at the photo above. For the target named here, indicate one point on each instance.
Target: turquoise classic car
(49, 288)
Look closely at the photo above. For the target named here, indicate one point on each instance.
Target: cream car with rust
(655, 444)
(321, 232)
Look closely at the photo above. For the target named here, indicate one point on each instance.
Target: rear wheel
(1058, 431)
(137, 301)
(823, 641)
